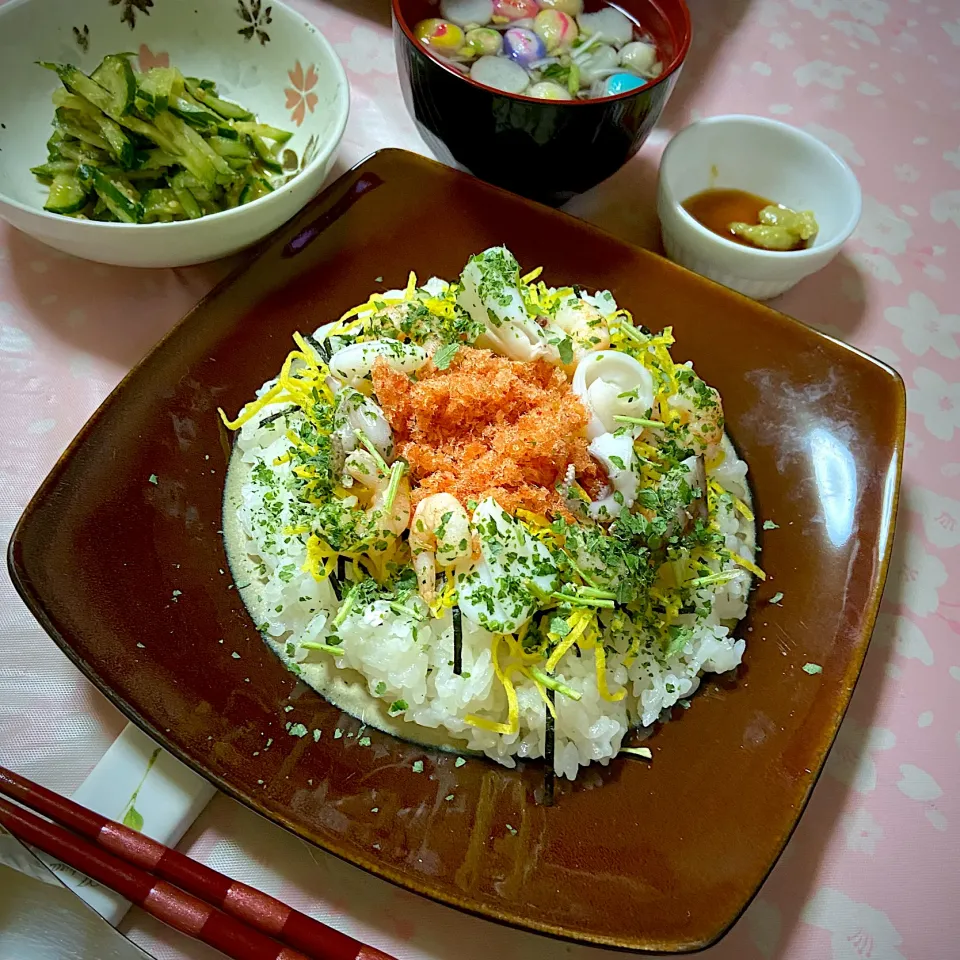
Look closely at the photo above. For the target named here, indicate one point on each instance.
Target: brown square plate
(128, 577)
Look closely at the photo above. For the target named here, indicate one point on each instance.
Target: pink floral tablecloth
(873, 871)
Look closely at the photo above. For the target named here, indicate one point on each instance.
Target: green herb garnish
(443, 357)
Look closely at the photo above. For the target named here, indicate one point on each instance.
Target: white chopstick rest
(143, 786)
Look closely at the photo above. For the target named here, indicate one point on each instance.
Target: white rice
(389, 657)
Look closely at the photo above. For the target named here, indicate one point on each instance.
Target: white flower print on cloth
(937, 401)
(873, 12)
(941, 516)
(836, 141)
(918, 574)
(952, 30)
(906, 172)
(878, 265)
(821, 9)
(885, 354)
(881, 228)
(367, 51)
(863, 833)
(850, 761)
(946, 206)
(828, 75)
(925, 327)
(13, 339)
(912, 444)
(917, 784)
(904, 636)
(856, 31)
(952, 157)
(857, 930)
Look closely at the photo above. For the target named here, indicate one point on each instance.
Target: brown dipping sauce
(718, 207)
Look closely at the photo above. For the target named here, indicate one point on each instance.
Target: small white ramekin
(772, 160)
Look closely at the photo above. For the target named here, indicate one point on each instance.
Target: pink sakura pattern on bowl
(148, 59)
(300, 97)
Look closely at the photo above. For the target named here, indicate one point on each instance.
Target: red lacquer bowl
(547, 150)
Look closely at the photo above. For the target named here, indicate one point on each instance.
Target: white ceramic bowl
(261, 54)
(772, 160)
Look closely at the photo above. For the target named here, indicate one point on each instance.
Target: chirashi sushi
(491, 515)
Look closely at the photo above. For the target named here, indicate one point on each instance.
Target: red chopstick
(123, 856)
(160, 899)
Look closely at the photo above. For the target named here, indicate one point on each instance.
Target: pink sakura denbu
(300, 97)
(148, 59)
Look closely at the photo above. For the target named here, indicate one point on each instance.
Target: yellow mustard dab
(780, 228)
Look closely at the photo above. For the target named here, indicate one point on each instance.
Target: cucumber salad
(153, 147)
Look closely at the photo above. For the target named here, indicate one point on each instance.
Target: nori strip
(323, 349)
(457, 641)
(275, 416)
(549, 772)
(337, 579)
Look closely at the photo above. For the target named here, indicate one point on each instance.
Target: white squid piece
(493, 594)
(612, 384)
(616, 455)
(353, 363)
(491, 295)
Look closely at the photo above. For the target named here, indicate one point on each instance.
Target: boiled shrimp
(697, 407)
(356, 414)
(439, 536)
(584, 324)
(384, 519)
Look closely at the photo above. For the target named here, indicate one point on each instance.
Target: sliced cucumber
(82, 153)
(202, 147)
(157, 159)
(47, 171)
(67, 194)
(161, 205)
(53, 144)
(226, 109)
(76, 126)
(76, 81)
(231, 148)
(203, 84)
(115, 75)
(263, 130)
(117, 141)
(158, 87)
(254, 188)
(102, 212)
(265, 154)
(116, 196)
(194, 160)
(150, 132)
(195, 114)
(187, 200)
(70, 101)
